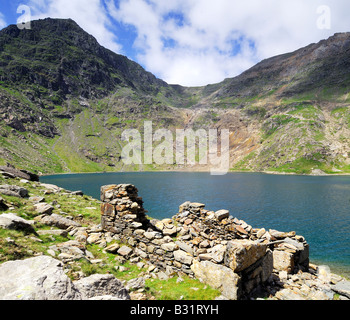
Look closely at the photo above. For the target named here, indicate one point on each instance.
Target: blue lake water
(317, 208)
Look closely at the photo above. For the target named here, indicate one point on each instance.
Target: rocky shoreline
(223, 252)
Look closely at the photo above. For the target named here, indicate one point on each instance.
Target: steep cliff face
(65, 100)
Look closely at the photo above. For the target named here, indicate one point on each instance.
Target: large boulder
(15, 173)
(13, 222)
(183, 257)
(13, 191)
(219, 277)
(39, 278)
(43, 278)
(51, 188)
(241, 254)
(283, 261)
(100, 285)
(58, 221)
(43, 208)
(342, 288)
(291, 256)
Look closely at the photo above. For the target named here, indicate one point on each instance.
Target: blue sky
(195, 42)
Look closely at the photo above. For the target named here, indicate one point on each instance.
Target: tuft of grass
(186, 289)
(18, 245)
(303, 166)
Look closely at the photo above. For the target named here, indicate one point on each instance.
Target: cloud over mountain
(196, 42)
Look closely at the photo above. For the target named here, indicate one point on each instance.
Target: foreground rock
(40, 278)
(12, 222)
(13, 191)
(11, 172)
(102, 287)
(219, 277)
(56, 220)
(342, 288)
(43, 208)
(43, 278)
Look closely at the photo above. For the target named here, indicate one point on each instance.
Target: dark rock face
(23, 174)
(23, 117)
(68, 61)
(55, 62)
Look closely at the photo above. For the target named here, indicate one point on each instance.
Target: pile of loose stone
(222, 251)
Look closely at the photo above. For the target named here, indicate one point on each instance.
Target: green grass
(171, 289)
(342, 113)
(188, 289)
(255, 112)
(276, 123)
(25, 246)
(112, 121)
(303, 166)
(306, 111)
(32, 152)
(74, 160)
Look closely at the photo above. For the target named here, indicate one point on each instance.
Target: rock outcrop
(13, 222)
(13, 191)
(43, 278)
(39, 278)
(102, 287)
(11, 172)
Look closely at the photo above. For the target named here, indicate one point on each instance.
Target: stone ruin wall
(214, 247)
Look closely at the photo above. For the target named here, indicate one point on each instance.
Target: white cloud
(201, 45)
(3, 23)
(196, 42)
(90, 15)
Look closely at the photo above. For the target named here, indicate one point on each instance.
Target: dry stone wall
(216, 248)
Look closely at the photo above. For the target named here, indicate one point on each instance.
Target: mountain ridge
(65, 101)
(285, 72)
